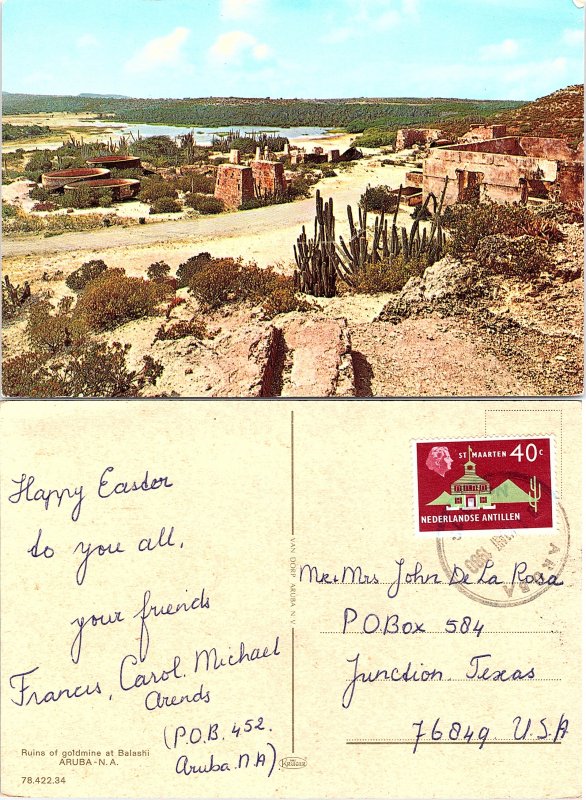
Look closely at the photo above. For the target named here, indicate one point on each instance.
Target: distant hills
(354, 114)
(106, 96)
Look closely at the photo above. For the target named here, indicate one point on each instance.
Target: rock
(441, 286)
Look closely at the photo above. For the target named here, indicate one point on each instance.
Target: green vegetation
(377, 137)
(165, 205)
(64, 361)
(113, 298)
(93, 369)
(12, 133)
(388, 275)
(356, 115)
(470, 222)
(378, 198)
(204, 203)
(216, 282)
(89, 271)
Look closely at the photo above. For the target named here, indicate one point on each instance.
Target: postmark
(506, 569)
(485, 486)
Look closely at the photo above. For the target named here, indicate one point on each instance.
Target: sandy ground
(66, 125)
(451, 356)
(264, 235)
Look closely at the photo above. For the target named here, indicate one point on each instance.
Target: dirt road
(264, 234)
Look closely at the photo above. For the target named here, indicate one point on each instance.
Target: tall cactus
(320, 260)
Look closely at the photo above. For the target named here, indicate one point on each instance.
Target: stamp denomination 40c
(485, 486)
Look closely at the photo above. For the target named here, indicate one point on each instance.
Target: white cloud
(496, 52)
(411, 7)
(86, 40)
(164, 50)
(573, 37)
(388, 20)
(240, 9)
(361, 18)
(337, 36)
(230, 47)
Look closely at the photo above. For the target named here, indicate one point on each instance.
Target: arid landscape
(495, 309)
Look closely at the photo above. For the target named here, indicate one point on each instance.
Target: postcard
(270, 198)
(291, 599)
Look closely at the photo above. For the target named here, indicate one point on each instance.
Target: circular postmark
(505, 568)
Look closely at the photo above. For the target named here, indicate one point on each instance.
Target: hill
(354, 114)
(558, 115)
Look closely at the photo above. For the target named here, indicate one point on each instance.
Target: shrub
(469, 223)
(378, 198)
(224, 280)
(80, 197)
(176, 301)
(377, 137)
(113, 298)
(194, 182)
(9, 211)
(45, 206)
(179, 330)
(91, 370)
(204, 203)
(300, 185)
(156, 188)
(23, 222)
(523, 256)
(158, 271)
(165, 205)
(50, 331)
(186, 270)
(39, 193)
(388, 275)
(283, 299)
(216, 283)
(88, 271)
(13, 297)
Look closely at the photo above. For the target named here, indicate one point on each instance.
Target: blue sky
(508, 49)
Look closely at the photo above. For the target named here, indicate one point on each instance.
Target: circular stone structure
(58, 178)
(114, 162)
(121, 188)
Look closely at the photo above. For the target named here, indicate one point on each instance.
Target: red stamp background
(526, 458)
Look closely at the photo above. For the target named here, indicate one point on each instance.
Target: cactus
(534, 493)
(317, 260)
(320, 260)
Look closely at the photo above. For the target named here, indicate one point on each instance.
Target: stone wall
(500, 167)
(268, 177)
(479, 133)
(407, 137)
(234, 185)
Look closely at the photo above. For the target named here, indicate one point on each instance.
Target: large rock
(441, 288)
(318, 358)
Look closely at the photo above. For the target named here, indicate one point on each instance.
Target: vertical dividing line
(292, 629)
(292, 691)
(292, 474)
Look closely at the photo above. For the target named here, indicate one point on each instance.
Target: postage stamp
(485, 485)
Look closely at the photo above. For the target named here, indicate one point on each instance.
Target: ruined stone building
(236, 183)
(408, 137)
(509, 169)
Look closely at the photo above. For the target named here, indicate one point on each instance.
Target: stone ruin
(237, 183)
(509, 169)
(408, 137)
